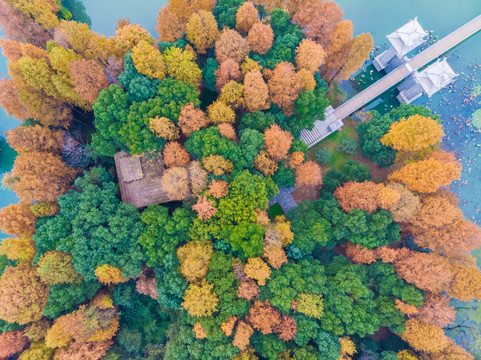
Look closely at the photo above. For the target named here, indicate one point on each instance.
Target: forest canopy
(364, 269)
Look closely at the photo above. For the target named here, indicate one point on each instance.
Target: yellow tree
(194, 258)
(232, 94)
(183, 9)
(257, 270)
(414, 133)
(107, 274)
(217, 165)
(128, 36)
(182, 67)
(164, 128)
(44, 12)
(265, 164)
(309, 55)
(202, 30)
(200, 299)
(310, 304)
(148, 60)
(23, 295)
(55, 267)
(424, 337)
(218, 113)
(359, 50)
(21, 248)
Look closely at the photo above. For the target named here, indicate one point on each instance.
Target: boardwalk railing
(372, 92)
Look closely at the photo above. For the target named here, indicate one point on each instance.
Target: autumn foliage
(23, 295)
(246, 16)
(202, 30)
(427, 176)
(364, 196)
(284, 86)
(200, 300)
(277, 142)
(191, 119)
(309, 174)
(413, 134)
(256, 92)
(309, 55)
(231, 44)
(424, 337)
(213, 268)
(260, 38)
(175, 155)
(11, 343)
(56, 179)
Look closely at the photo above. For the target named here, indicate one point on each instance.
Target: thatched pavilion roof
(140, 179)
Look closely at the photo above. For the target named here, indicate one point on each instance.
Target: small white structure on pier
(429, 81)
(403, 40)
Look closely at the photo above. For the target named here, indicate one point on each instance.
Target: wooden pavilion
(140, 179)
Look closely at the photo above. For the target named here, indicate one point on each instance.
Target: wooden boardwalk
(372, 92)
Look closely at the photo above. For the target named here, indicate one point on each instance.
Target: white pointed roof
(435, 77)
(407, 37)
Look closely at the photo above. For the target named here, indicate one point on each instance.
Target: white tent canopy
(407, 37)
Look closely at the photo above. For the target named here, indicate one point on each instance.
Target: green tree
(138, 86)
(208, 141)
(110, 110)
(251, 142)
(284, 176)
(64, 298)
(309, 106)
(348, 146)
(295, 277)
(142, 322)
(135, 133)
(352, 171)
(258, 120)
(310, 230)
(208, 72)
(163, 232)
(101, 229)
(225, 12)
(323, 156)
